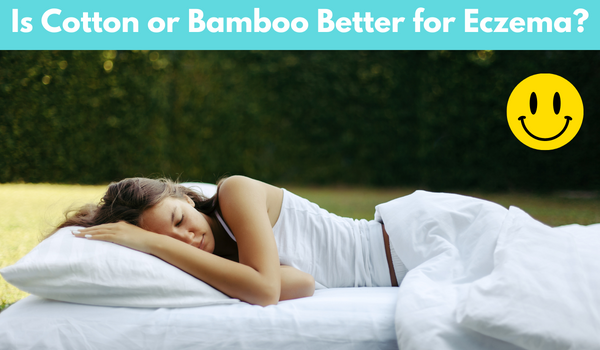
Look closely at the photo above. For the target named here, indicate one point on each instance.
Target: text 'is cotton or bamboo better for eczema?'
(359, 22)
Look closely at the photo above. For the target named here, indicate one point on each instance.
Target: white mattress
(344, 318)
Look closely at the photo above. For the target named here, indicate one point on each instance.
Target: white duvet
(484, 277)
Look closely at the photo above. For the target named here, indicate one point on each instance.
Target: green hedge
(433, 119)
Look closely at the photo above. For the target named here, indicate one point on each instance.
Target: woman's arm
(245, 204)
(234, 279)
(295, 283)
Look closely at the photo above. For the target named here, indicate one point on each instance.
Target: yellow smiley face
(544, 111)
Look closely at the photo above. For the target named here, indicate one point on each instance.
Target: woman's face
(177, 218)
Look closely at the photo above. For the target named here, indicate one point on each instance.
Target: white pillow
(67, 268)
(544, 290)
(208, 190)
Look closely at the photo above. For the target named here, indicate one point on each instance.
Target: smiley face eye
(533, 103)
(556, 103)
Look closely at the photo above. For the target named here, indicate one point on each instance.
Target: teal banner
(300, 25)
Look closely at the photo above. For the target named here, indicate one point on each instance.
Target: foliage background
(385, 118)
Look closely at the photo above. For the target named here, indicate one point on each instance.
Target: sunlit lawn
(29, 211)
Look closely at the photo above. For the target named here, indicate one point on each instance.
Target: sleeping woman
(252, 241)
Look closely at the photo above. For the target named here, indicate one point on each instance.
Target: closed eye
(180, 221)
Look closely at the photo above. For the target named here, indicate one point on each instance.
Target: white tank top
(336, 251)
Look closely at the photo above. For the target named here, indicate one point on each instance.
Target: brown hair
(127, 199)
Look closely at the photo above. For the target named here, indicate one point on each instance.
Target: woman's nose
(184, 235)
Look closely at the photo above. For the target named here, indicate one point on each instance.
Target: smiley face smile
(522, 119)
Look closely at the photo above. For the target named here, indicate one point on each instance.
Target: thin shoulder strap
(225, 226)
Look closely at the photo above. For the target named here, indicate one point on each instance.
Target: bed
(481, 277)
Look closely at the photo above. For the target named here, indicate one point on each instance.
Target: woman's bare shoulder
(239, 189)
(243, 184)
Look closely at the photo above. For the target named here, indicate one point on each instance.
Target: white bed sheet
(345, 318)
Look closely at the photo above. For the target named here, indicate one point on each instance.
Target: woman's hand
(121, 233)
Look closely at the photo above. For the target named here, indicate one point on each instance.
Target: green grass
(28, 212)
